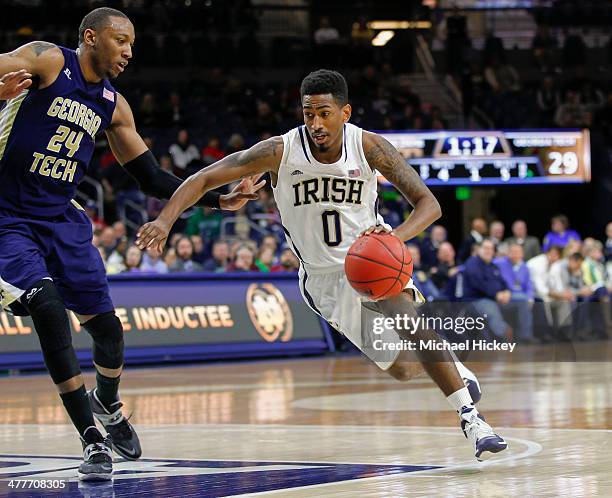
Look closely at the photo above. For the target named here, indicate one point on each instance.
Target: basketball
(378, 265)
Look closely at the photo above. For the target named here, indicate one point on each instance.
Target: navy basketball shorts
(59, 249)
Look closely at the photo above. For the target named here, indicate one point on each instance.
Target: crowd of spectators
(511, 277)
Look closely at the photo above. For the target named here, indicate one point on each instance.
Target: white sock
(460, 398)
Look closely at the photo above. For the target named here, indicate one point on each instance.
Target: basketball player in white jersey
(324, 181)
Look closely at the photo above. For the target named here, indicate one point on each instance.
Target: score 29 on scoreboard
(496, 157)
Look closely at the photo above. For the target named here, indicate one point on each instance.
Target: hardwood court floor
(325, 427)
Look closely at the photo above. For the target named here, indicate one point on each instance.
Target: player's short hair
(324, 81)
(97, 19)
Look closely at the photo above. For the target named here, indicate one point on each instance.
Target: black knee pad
(62, 364)
(107, 333)
(51, 323)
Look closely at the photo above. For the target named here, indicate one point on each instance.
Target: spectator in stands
(445, 267)
(132, 259)
(420, 277)
(235, 143)
(326, 34)
(115, 261)
(266, 120)
(169, 257)
(431, 244)
(271, 241)
(530, 244)
(539, 270)
(287, 260)
(265, 259)
(184, 257)
(148, 113)
(199, 255)
(174, 113)
(153, 262)
(560, 233)
(515, 273)
(220, 257)
(547, 101)
(119, 229)
(477, 234)
(243, 260)
(593, 269)
(185, 155)
(502, 77)
(571, 113)
(543, 46)
(108, 241)
(496, 232)
(485, 286)
(212, 152)
(564, 286)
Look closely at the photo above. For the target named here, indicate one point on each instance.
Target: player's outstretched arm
(42, 59)
(263, 157)
(133, 154)
(385, 158)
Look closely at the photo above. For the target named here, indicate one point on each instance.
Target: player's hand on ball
(12, 84)
(154, 235)
(376, 229)
(242, 193)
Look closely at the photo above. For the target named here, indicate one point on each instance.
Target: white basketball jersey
(324, 207)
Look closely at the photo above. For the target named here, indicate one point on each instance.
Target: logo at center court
(269, 312)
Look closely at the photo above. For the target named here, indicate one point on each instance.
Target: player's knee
(398, 372)
(48, 313)
(107, 333)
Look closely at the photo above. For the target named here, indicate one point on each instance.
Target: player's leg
(79, 270)
(25, 281)
(107, 334)
(51, 322)
(440, 366)
(407, 367)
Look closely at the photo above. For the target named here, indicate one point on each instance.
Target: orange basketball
(378, 265)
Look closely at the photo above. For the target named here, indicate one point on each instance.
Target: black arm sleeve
(156, 182)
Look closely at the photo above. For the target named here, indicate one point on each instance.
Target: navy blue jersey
(47, 140)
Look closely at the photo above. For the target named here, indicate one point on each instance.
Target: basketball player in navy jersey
(57, 101)
(323, 176)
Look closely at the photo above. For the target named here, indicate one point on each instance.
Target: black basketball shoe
(123, 437)
(97, 462)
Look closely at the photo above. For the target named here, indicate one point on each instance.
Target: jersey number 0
(332, 233)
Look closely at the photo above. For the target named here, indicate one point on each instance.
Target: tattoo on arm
(40, 46)
(262, 150)
(267, 149)
(386, 159)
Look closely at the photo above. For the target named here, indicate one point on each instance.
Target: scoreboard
(496, 157)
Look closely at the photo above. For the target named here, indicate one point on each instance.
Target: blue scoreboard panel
(496, 157)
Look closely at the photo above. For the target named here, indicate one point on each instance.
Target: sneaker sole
(95, 477)
(489, 452)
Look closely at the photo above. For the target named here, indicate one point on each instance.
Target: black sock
(107, 389)
(77, 406)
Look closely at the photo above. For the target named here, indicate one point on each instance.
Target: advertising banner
(190, 316)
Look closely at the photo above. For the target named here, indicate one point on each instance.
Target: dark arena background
(234, 384)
